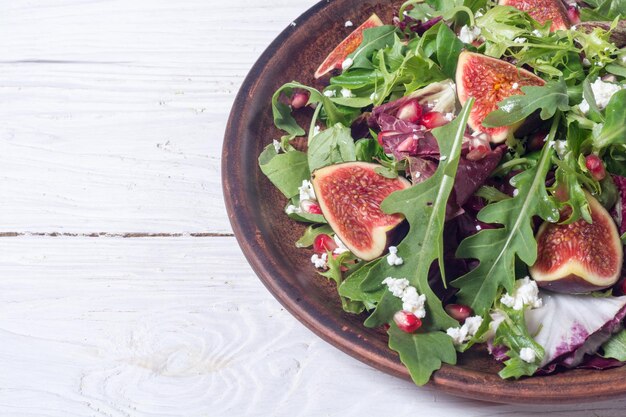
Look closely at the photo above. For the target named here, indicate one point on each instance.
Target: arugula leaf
(351, 286)
(374, 39)
(567, 176)
(310, 233)
(615, 347)
(285, 170)
(422, 353)
(512, 333)
(282, 112)
(448, 49)
(548, 98)
(603, 10)
(614, 129)
(334, 272)
(496, 249)
(331, 146)
(424, 206)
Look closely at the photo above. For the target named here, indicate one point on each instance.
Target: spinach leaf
(374, 39)
(614, 129)
(496, 249)
(351, 286)
(285, 170)
(448, 49)
(516, 108)
(331, 146)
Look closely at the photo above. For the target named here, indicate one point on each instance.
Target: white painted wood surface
(111, 120)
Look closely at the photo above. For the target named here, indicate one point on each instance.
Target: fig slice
(350, 195)
(335, 59)
(579, 257)
(542, 11)
(489, 81)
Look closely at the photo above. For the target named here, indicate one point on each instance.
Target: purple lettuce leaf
(619, 211)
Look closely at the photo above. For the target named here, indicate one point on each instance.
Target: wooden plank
(181, 327)
(112, 113)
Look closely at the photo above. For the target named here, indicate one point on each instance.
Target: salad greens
(474, 205)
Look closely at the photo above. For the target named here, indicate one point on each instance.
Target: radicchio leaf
(619, 211)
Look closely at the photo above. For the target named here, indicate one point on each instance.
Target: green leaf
(334, 273)
(568, 177)
(496, 249)
(285, 170)
(448, 49)
(548, 98)
(422, 353)
(615, 347)
(331, 146)
(374, 39)
(424, 206)
(310, 233)
(512, 333)
(614, 129)
(351, 286)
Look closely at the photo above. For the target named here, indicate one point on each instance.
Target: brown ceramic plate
(267, 236)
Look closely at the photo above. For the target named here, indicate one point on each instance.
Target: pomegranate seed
(410, 112)
(386, 326)
(479, 147)
(433, 119)
(595, 166)
(311, 207)
(324, 243)
(382, 135)
(573, 14)
(299, 100)
(458, 311)
(406, 321)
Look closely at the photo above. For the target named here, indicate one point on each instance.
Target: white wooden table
(122, 289)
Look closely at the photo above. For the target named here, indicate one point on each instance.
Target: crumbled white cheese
(316, 130)
(515, 192)
(396, 285)
(586, 62)
(319, 260)
(526, 294)
(573, 27)
(276, 145)
(520, 40)
(412, 301)
(515, 86)
(478, 227)
(469, 34)
(479, 13)
(537, 33)
(330, 93)
(291, 209)
(347, 63)
(349, 24)
(448, 116)
(464, 333)
(393, 259)
(345, 93)
(560, 146)
(602, 93)
(443, 158)
(374, 96)
(341, 247)
(527, 355)
(306, 191)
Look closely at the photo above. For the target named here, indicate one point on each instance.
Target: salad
(462, 171)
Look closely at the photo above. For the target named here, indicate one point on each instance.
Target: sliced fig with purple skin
(350, 195)
(542, 11)
(579, 257)
(490, 81)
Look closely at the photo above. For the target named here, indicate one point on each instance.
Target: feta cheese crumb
(479, 13)
(291, 209)
(464, 333)
(330, 93)
(443, 158)
(412, 301)
(319, 260)
(537, 33)
(602, 93)
(374, 96)
(573, 27)
(515, 86)
(526, 294)
(469, 34)
(349, 24)
(316, 130)
(520, 40)
(393, 259)
(515, 192)
(276, 145)
(448, 116)
(347, 63)
(560, 146)
(345, 93)
(341, 247)
(306, 191)
(527, 355)
(396, 285)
